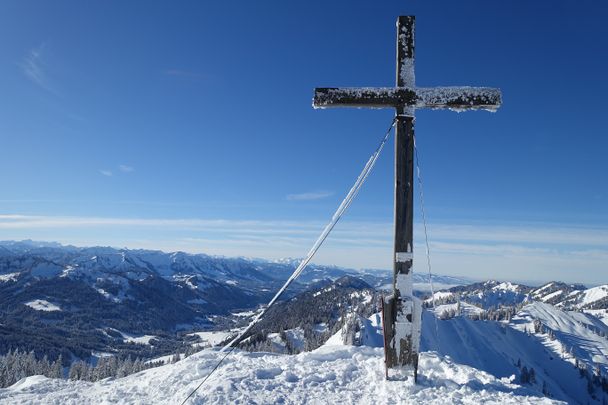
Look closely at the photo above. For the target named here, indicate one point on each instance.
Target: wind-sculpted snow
(503, 349)
(498, 347)
(571, 335)
(592, 298)
(328, 375)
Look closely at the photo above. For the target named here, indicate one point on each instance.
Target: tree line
(16, 365)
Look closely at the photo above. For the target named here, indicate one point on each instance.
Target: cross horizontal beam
(453, 98)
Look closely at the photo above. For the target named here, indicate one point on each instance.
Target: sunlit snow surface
(463, 362)
(43, 305)
(9, 277)
(211, 338)
(330, 374)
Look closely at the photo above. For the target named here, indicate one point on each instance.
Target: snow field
(338, 374)
(43, 305)
(462, 362)
(211, 338)
(9, 277)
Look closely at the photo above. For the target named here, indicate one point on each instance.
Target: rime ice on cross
(401, 312)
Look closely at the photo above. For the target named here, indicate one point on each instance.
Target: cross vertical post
(404, 313)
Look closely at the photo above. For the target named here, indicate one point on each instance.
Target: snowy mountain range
(107, 299)
(489, 341)
(495, 294)
(100, 295)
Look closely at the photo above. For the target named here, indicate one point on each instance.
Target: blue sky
(189, 127)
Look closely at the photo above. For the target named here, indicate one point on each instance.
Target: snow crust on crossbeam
(370, 97)
(459, 98)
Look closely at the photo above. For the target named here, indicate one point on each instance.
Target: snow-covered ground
(43, 305)
(142, 340)
(9, 277)
(211, 338)
(575, 334)
(370, 333)
(601, 314)
(463, 309)
(330, 374)
(296, 338)
(245, 314)
(462, 362)
(593, 294)
(128, 337)
(496, 347)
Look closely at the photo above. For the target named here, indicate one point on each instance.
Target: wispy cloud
(518, 252)
(523, 233)
(34, 68)
(16, 221)
(309, 196)
(121, 169)
(482, 239)
(125, 168)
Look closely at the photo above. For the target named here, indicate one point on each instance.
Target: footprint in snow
(291, 377)
(269, 373)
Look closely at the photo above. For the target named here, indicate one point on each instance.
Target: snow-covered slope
(494, 294)
(485, 295)
(554, 292)
(569, 335)
(503, 349)
(497, 348)
(462, 361)
(592, 298)
(328, 375)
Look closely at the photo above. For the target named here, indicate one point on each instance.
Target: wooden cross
(401, 312)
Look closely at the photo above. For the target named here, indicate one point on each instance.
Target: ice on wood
(405, 52)
(369, 97)
(458, 98)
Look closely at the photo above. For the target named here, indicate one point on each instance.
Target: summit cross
(401, 312)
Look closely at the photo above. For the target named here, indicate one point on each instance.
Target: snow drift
(330, 374)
